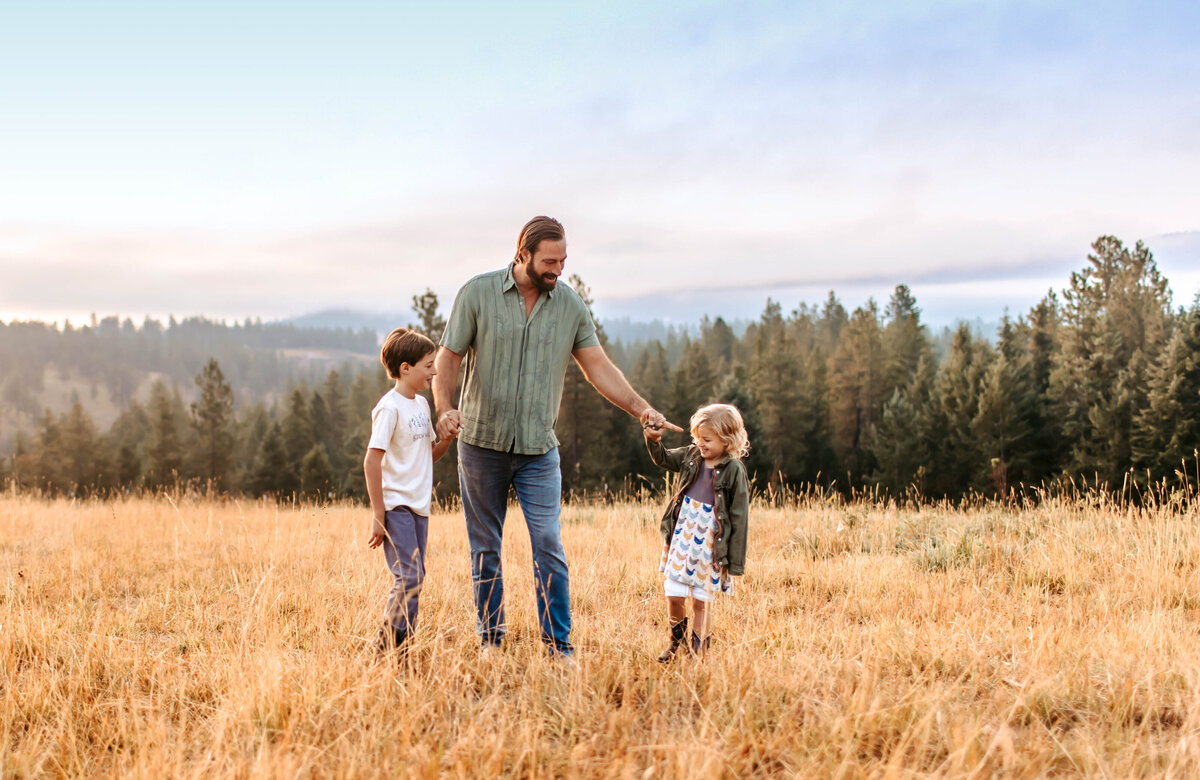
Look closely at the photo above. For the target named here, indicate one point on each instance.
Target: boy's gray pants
(404, 551)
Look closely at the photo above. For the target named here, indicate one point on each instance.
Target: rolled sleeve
(585, 332)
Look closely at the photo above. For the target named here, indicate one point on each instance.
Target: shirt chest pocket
(501, 328)
(547, 331)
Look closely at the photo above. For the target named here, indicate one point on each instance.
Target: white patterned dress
(689, 557)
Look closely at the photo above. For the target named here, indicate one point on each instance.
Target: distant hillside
(349, 318)
(626, 329)
(108, 363)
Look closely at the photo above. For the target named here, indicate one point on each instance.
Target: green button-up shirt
(515, 365)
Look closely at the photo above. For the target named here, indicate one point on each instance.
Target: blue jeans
(404, 551)
(484, 478)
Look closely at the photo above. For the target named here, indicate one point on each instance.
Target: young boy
(399, 472)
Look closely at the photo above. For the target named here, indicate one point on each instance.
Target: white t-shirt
(402, 429)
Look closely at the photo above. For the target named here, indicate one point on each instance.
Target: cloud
(380, 265)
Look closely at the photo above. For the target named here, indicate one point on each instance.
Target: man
(517, 327)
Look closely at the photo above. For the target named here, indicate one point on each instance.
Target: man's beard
(539, 281)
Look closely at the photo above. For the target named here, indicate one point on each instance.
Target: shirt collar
(508, 281)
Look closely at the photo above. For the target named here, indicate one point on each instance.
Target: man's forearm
(445, 382)
(611, 383)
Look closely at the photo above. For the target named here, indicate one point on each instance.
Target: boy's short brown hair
(404, 346)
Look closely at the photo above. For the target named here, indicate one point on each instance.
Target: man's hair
(404, 346)
(726, 422)
(536, 231)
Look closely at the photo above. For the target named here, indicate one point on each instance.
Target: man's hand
(653, 421)
(449, 424)
(378, 532)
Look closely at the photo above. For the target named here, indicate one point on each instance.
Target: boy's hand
(449, 424)
(652, 434)
(378, 532)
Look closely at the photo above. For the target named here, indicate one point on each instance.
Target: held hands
(378, 532)
(653, 423)
(449, 424)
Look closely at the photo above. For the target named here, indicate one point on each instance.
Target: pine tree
(832, 321)
(212, 420)
(909, 433)
(905, 341)
(1166, 431)
(25, 462)
(954, 455)
(1116, 317)
(1005, 423)
(316, 475)
(693, 382)
(855, 393)
(332, 435)
(128, 467)
(50, 475)
(1041, 352)
(430, 322)
(251, 430)
(735, 390)
(898, 450)
(298, 438)
(813, 454)
(165, 446)
(84, 467)
(777, 378)
(271, 472)
(1043, 340)
(365, 391)
(652, 376)
(128, 437)
(586, 426)
(718, 341)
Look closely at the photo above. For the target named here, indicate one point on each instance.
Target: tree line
(1099, 384)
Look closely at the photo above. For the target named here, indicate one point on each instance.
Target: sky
(272, 159)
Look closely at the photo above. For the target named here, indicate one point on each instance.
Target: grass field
(180, 638)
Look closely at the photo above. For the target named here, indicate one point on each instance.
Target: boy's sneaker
(391, 639)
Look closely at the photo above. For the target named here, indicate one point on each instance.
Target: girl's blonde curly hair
(726, 422)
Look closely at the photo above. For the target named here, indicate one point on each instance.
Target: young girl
(704, 527)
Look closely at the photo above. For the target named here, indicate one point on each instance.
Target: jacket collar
(694, 455)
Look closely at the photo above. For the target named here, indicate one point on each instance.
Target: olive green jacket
(731, 494)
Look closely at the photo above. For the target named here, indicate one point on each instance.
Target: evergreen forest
(1098, 384)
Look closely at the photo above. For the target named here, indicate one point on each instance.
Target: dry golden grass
(159, 638)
